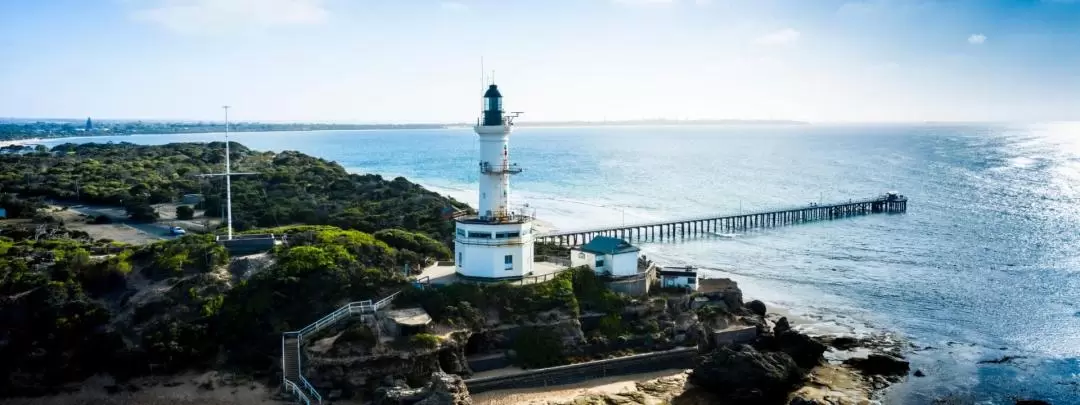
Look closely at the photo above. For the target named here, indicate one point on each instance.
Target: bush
(611, 326)
(141, 212)
(538, 347)
(185, 212)
(425, 340)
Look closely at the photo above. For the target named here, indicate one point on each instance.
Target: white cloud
(216, 16)
(782, 37)
(977, 39)
(453, 5)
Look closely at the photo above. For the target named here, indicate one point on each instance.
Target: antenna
(228, 173)
(481, 87)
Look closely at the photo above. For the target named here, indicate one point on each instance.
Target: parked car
(176, 230)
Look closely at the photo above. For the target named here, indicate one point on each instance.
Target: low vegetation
(290, 187)
(72, 306)
(69, 312)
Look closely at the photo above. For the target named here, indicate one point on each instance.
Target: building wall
(494, 190)
(624, 264)
(579, 258)
(678, 281)
(485, 257)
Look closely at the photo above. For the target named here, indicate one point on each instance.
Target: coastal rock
(920, 373)
(880, 364)
(782, 326)
(444, 389)
(805, 350)
(723, 290)
(844, 343)
(757, 307)
(1031, 402)
(742, 374)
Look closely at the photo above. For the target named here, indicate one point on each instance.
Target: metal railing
(357, 307)
(291, 387)
(495, 241)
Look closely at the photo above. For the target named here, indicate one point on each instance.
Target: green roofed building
(607, 255)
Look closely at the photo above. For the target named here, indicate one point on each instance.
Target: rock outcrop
(782, 326)
(742, 374)
(443, 389)
(805, 350)
(880, 364)
(757, 307)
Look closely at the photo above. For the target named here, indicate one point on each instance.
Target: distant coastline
(24, 131)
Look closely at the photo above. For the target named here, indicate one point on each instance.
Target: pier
(726, 224)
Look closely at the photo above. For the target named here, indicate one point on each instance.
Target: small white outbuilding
(607, 255)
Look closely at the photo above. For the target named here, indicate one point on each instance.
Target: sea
(981, 275)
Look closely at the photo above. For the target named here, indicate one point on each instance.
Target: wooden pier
(726, 224)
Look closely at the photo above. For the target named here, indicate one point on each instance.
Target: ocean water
(985, 263)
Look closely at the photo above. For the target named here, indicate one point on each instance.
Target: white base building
(494, 250)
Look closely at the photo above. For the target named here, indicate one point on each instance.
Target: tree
(185, 212)
(141, 211)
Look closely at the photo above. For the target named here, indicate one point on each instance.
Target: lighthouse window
(514, 234)
(508, 262)
(461, 232)
(485, 235)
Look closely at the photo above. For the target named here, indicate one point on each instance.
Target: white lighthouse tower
(498, 242)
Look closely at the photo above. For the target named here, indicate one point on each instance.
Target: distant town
(17, 129)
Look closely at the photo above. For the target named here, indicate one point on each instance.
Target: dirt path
(567, 393)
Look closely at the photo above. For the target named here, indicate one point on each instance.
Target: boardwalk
(725, 224)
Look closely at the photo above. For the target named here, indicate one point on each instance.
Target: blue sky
(419, 60)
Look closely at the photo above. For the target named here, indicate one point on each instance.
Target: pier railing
(707, 224)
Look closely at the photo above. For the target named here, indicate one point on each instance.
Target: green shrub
(538, 347)
(184, 212)
(611, 326)
(425, 340)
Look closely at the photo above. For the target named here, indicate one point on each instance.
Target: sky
(393, 61)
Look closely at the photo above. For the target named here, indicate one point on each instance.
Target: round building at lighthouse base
(493, 250)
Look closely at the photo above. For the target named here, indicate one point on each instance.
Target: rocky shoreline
(744, 355)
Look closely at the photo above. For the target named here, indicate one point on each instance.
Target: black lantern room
(492, 106)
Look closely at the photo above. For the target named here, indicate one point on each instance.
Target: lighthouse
(497, 243)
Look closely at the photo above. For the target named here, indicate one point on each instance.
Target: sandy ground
(567, 393)
(116, 231)
(184, 390)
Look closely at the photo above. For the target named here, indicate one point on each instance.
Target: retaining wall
(574, 373)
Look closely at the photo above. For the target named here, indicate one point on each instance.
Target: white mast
(228, 175)
(228, 178)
